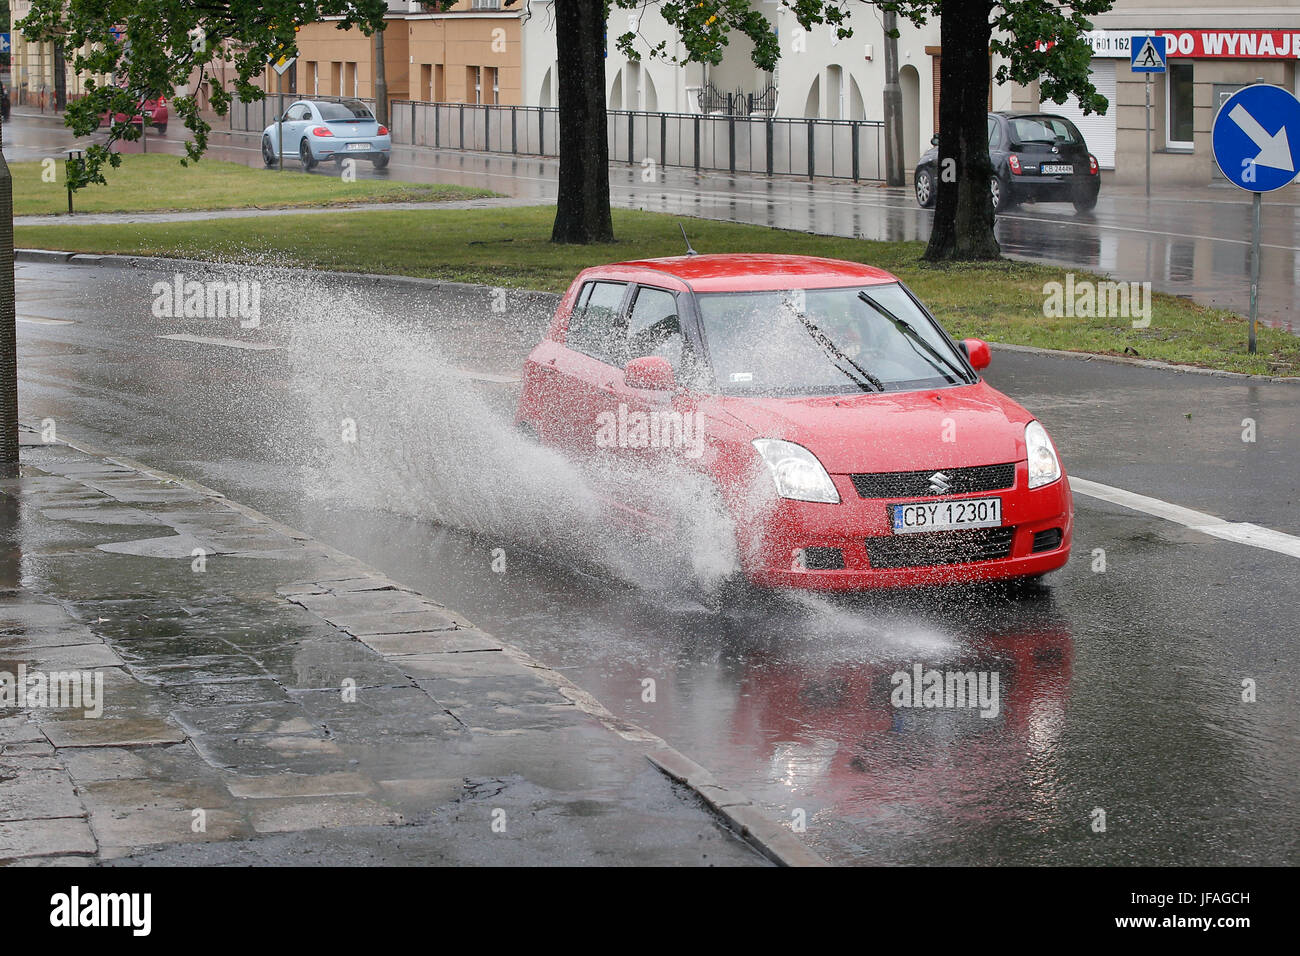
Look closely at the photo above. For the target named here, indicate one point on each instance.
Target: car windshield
(347, 110)
(825, 342)
(1043, 129)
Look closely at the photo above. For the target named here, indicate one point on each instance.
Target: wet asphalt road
(1192, 242)
(1120, 691)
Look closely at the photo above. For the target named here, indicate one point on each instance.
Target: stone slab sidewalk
(267, 699)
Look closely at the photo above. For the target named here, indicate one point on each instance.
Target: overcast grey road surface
(1121, 687)
(1186, 241)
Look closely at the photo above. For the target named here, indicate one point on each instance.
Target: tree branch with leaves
(130, 51)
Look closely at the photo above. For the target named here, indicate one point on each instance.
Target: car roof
(746, 272)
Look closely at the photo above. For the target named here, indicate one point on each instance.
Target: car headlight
(1044, 466)
(797, 472)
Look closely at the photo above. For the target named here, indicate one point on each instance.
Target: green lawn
(157, 183)
(1001, 302)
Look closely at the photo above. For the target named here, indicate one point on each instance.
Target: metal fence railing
(774, 146)
(257, 115)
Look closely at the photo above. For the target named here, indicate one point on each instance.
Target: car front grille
(940, 547)
(916, 484)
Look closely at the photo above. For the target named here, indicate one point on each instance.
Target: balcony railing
(737, 102)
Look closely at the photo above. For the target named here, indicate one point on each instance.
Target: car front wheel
(304, 154)
(924, 188)
(268, 151)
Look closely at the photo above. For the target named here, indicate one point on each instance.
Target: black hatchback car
(1036, 156)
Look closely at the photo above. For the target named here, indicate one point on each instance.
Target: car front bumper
(856, 527)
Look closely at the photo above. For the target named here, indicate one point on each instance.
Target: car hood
(892, 431)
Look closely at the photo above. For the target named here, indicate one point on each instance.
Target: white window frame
(1171, 143)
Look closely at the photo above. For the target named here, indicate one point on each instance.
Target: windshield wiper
(914, 337)
(859, 376)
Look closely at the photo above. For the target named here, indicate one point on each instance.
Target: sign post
(280, 65)
(1147, 55)
(1253, 135)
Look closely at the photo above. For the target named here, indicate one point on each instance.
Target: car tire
(268, 151)
(924, 187)
(1001, 192)
(1085, 200)
(380, 161)
(161, 130)
(304, 155)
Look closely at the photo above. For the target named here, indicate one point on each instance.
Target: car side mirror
(934, 140)
(977, 350)
(651, 372)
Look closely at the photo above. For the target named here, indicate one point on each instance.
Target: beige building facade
(1214, 49)
(469, 54)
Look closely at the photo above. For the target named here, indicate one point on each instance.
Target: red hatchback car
(155, 111)
(852, 442)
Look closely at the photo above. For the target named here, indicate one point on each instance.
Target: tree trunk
(60, 79)
(963, 212)
(381, 80)
(895, 174)
(582, 207)
(8, 332)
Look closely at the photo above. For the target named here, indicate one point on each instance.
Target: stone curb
(413, 282)
(735, 810)
(777, 843)
(1144, 363)
(161, 263)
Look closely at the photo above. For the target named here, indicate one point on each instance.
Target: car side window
(995, 133)
(596, 326)
(300, 112)
(654, 328)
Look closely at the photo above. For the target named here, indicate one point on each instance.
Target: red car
(850, 441)
(154, 110)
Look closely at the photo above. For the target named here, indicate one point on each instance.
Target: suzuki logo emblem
(939, 483)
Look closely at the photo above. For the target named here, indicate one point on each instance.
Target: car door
(666, 423)
(583, 406)
(661, 430)
(296, 120)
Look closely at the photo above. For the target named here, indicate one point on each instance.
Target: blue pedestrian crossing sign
(1256, 137)
(1147, 54)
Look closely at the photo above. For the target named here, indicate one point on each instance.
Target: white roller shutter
(1099, 131)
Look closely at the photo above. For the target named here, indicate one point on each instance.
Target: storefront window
(1178, 108)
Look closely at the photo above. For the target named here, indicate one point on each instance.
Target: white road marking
(41, 320)
(228, 343)
(1242, 532)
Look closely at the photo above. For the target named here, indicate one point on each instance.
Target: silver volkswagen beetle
(317, 130)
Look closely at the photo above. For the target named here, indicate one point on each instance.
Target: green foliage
(134, 50)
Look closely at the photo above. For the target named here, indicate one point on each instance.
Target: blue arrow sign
(1256, 136)
(1147, 54)
(4, 43)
